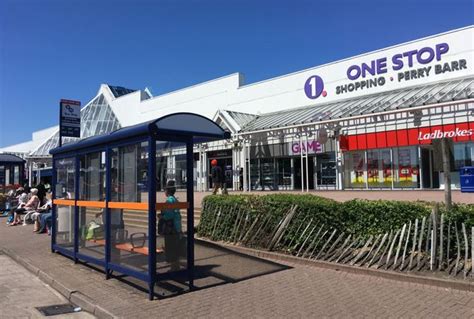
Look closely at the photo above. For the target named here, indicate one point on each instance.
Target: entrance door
(326, 170)
(429, 176)
(298, 171)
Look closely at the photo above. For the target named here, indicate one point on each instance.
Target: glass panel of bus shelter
(355, 170)
(92, 179)
(65, 189)
(171, 233)
(2, 179)
(379, 170)
(406, 167)
(129, 206)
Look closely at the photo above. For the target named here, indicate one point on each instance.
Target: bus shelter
(11, 172)
(106, 206)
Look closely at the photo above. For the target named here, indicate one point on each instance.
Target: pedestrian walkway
(245, 287)
(21, 292)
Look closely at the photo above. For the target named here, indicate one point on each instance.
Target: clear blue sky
(66, 48)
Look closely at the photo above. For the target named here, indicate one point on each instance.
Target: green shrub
(230, 218)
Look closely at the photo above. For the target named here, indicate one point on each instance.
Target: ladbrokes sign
(441, 134)
(460, 132)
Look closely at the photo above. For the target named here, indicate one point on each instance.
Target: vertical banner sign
(69, 119)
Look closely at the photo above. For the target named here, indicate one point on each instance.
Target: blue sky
(65, 49)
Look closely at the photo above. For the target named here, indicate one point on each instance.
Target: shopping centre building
(366, 122)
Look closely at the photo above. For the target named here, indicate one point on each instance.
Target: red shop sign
(459, 132)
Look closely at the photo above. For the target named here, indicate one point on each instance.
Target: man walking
(216, 176)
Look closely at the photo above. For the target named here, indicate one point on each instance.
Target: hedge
(223, 216)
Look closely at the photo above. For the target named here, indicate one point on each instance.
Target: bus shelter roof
(199, 128)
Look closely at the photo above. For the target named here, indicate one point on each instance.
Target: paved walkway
(21, 292)
(277, 290)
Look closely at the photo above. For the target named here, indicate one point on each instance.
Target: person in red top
(216, 176)
(31, 205)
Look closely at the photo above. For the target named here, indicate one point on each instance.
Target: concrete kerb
(437, 282)
(73, 296)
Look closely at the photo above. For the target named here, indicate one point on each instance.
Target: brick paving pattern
(297, 292)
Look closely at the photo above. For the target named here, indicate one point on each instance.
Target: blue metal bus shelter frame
(185, 128)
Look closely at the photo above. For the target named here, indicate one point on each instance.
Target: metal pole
(60, 124)
(190, 215)
(366, 173)
(447, 173)
(392, 173)
(108, 187)
(249, 167)
(152, 277)
(53, 210)
(76, 208)
(301, 166)
(307, 170)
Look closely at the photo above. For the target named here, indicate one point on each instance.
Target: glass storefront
(382, 168)
(326, 170)
(379, 168)
(406, 167)
(355, 173)
(270, 174)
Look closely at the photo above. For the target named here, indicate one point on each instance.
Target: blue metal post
(108, 194)
(190, 215)
(151, 217)
(53, 209)
(77, 169)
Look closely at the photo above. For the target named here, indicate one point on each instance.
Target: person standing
(241, 179)
(169, 225)
(41, 191)
(216, 176)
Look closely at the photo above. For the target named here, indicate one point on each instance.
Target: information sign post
(69, 119)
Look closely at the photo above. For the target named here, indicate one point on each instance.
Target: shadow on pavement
(214, 265)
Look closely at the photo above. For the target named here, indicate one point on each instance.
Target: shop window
(355, 167)
(16, 175)
(463, 155)
(326, 169)
(406, 168)
(283, 173)
(379, 170)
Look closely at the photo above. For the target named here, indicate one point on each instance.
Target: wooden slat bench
(140, 250)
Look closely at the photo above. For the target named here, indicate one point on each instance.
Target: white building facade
(366, 122)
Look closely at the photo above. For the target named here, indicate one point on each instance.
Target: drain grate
(57, 309)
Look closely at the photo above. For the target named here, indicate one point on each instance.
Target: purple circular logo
(314, 87)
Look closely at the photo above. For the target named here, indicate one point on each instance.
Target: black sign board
(70, 118)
